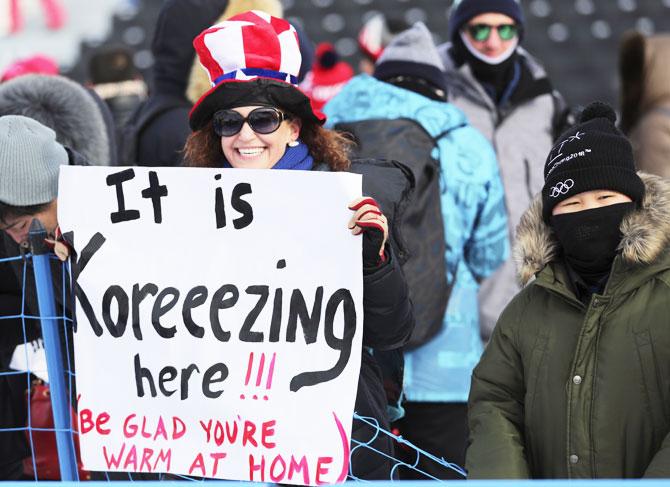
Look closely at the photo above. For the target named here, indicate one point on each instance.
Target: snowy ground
(88, 20)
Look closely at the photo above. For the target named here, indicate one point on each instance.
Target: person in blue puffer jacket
(409, 84)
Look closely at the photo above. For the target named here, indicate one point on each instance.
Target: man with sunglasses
(507, 96)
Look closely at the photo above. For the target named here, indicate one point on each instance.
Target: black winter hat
(592, 155)
(464, 10)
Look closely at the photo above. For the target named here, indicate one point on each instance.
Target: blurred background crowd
(577, 40)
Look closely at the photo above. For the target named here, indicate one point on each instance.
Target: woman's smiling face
(249, 149)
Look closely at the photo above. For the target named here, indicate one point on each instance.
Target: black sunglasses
(481, 32)
(262, 120)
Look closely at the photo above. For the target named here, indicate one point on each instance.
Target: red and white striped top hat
(251, 58)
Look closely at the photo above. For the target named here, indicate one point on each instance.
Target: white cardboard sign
(219, 320)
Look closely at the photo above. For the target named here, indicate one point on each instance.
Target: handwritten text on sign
(219, 320)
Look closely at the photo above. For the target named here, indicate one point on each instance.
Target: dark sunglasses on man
(481, 32)
(262, 120)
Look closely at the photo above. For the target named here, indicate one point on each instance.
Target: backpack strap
(439, 136)
(145, 113)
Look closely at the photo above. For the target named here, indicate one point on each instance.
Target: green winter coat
(566, 390)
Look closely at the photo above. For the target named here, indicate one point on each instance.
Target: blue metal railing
(67, 458)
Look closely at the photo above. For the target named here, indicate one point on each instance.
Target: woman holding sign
(255, 116)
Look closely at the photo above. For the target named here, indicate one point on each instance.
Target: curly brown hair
(203, 147)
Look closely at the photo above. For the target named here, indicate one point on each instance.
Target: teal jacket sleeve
(487, 245)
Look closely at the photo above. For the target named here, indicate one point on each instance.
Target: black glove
(373, 240)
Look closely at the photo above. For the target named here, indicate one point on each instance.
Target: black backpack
(145, 113)
(424, 263)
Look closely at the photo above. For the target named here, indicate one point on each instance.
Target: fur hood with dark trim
(646, 232)
(69, 109)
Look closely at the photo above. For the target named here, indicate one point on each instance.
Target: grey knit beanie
(30, 159)
(412, 53)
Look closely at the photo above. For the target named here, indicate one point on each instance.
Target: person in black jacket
(13, 407)
(29, 165)
(264, 121)
(30, 161)
(162, 121)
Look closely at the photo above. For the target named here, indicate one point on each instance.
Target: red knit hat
(329, 74)
(37, 64)
(251, 59)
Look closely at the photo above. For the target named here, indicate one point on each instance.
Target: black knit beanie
(464, 10)
(592, 155)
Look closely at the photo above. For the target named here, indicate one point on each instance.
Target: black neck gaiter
(495, 78)
(590, 238)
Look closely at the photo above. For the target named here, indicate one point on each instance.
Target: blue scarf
(294, 158)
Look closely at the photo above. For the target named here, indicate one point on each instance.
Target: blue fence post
(60, 402)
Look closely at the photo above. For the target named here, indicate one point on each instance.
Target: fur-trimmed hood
(67, 108)
(646, 232)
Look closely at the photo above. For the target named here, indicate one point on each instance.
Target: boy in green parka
(575, 382)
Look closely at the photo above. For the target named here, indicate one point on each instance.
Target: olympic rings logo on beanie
(562, 188)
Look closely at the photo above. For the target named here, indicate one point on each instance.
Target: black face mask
(590, 238)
